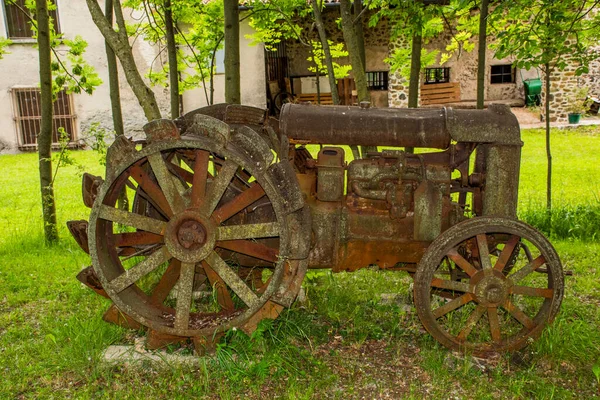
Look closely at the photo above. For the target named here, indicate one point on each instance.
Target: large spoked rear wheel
(208, 250)
(488, 285)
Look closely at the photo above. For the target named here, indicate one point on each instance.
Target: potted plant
(577, 105)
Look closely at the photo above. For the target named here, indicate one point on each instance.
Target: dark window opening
(437, 75)
(502, 74)
(377, 80)
(18, 19)
(27, 105)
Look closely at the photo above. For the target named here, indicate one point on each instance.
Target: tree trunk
(326, 51)
(360, 35)
(360, 78)
(548, 153)
(232, 52)
(44, 140)
(113, 78)
(119, 42)
(483, 13)
(172, 52)
(415, 69)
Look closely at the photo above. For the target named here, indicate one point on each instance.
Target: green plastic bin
(533, 91)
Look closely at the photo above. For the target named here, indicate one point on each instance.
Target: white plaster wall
(252, 76)
(20, 68)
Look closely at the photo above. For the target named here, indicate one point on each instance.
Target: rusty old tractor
(227, 209)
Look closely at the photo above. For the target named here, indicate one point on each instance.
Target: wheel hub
(190, 237)
(191, 234)
(491, 288)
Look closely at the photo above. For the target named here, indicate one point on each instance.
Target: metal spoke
(484, 251)
(199, 178)
(471, 322)
(184, 295)
(529, 268)
(519, 314)
(452, 305)
(232, 280)
(137, 239)
(451, 285)
(132, 275)
(223, 296)
(494, 324)
(240, 202)
(533, 292)
(507, 252)
(218, 187)
(166, 183)
(151, 189)
(130, 219)
(248, 231)
(250, 248)
(167, 282)
(461, 262)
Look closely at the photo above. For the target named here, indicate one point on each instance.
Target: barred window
(18, 19)
(28, 117)
(502, 74)
(437, 75)
(377, 80)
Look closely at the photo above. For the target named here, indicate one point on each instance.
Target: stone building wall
(563, 86)
(591, 80)
(398, 84)
(463, 69)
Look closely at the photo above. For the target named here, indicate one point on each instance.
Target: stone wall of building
(398, 84)
(563, 86)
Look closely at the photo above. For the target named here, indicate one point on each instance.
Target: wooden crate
(440, 93)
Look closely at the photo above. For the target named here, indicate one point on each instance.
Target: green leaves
(337, 51)
(4, 43)
(540, 32)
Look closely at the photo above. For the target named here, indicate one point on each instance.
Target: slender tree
(119, 43)
(173, 66)
(316, 5)
(113, 77)
(481, 53)
(415, 67)
(351, 39)
(44, 140)
(232, 51)
(360, 34)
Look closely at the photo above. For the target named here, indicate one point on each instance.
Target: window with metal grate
(437, 75)
(377, 80)
(19, 19)
(27, 112)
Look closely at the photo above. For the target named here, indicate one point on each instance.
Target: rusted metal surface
(227, 209)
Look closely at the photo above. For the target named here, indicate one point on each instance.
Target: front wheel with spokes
(209, 248)
(488, 284)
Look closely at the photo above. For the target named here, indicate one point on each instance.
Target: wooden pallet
(440, 93)
(312, 98)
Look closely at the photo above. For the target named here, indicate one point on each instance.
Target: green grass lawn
(344, 342)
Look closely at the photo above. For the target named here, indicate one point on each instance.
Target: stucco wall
(20, 68)
(252, 74)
